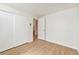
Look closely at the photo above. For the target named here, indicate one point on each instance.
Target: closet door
(42, 28)
(6, 30)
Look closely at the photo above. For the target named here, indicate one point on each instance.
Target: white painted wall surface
(14, 29)
(22, 30)
(62, 27)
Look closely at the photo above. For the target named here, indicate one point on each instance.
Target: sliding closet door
(6, 30)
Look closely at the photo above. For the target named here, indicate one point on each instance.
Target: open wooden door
(35, 29)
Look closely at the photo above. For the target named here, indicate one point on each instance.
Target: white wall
(62, 27)
(22, 30)
(14, 28)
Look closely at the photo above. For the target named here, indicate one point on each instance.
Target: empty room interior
(39, 28)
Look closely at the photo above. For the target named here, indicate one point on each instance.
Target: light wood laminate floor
(40, 47)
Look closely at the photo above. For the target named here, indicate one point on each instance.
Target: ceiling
(40, 9)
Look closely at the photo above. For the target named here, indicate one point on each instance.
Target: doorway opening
(35, 29)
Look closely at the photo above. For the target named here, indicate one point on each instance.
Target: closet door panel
(6, 30)
(41, 28)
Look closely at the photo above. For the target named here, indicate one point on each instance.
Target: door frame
(35, 29)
